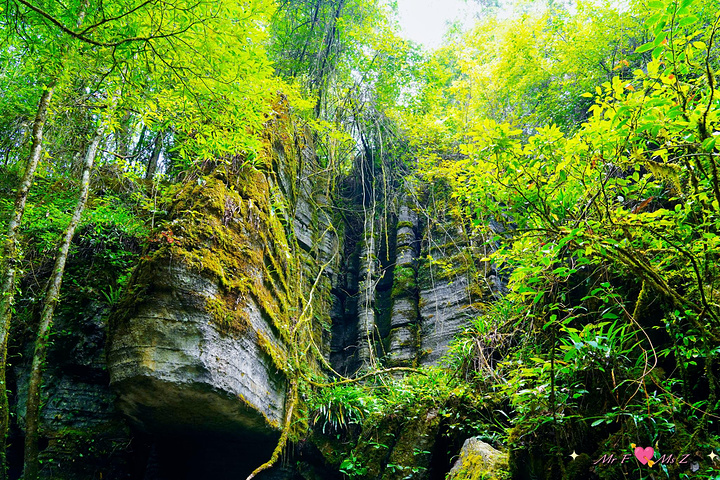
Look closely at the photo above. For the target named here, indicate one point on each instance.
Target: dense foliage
(609, 237)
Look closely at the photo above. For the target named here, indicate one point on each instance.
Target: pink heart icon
(644, 454)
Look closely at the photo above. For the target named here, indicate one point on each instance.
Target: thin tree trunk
(122, 138)
(32, 416)
(154, 157)
(10, 262)
(326, 55)
(140, 141)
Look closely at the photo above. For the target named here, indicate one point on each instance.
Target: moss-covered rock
(479, 461)
(404, 282)
(412, 453)
(204, 338)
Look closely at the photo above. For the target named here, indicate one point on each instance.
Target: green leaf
(709, 144)
(658, 27)
(658, 50)
(644, 47)
(660, 38)
(689, 20)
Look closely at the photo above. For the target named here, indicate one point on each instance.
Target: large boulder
(478, 460)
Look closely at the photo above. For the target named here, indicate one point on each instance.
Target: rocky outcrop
(418, 283)
(199, 345)
(477, 461)
(192, 345)
(176, 370)
(396, 447)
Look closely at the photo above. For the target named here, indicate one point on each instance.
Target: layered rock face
(415, 282)
(186, 344)
(201, 343)
(199, 346)
(450, 294)
(175, 370)
(403, 339)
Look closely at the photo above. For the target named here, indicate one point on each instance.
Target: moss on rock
(479, 461)
(404, 281)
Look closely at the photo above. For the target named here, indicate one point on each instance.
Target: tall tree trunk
(154, 157)
(10, 262)
(32, 415)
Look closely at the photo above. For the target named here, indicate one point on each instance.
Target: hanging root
(283, 436)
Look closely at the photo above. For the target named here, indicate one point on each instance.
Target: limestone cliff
(260, 262)
(414, 279)
(200, 343)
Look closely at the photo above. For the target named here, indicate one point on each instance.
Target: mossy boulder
(479, 461)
